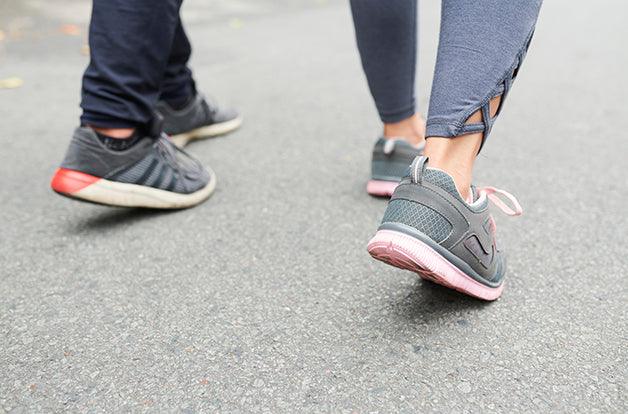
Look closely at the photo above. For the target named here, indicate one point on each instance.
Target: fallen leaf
(236, 23)
(11, 83)
(16, 34)
(70, 30)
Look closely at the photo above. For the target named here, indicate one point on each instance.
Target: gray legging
(482, 44)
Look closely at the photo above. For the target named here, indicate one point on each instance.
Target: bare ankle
(121, 133)
(456, 157)
(411, 129)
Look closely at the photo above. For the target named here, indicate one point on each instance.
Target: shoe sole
(214, 130)
(408, 253)
(85, 187)
(381, 188)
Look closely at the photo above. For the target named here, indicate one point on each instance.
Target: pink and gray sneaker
(430, 229)
(390, 161)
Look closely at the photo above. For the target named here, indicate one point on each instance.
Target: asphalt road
(264, 299)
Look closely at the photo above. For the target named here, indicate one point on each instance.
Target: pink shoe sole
(381, 188)
(406, 252)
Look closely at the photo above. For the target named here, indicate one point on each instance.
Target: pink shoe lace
(492, 194)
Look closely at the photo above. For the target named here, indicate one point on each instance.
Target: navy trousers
(139, 54)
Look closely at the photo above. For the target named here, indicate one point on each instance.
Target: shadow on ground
(111, 219)
(427, 302)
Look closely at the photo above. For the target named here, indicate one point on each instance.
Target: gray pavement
(264, 299)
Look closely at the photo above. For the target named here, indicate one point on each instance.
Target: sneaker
(153, 173)
(201, 118)
(429, 229)
(390, 161)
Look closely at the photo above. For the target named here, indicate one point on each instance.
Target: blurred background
(264, 298)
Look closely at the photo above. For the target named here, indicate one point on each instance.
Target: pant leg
(481, 46)
(386, 33)
(130, 43)
(178, 83)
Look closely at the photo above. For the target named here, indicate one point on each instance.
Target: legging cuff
(451, 130)
(389, 117)
(436, 129)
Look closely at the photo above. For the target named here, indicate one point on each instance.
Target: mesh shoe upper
(198, 113)
(391, 158)
(419, 216)
(152, 162)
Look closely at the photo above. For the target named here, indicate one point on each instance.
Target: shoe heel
(70, 181)
(408, 253)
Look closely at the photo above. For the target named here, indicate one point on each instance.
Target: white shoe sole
(214, 130)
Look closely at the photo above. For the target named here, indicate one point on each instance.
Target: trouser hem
(105, 121)
(397, 115)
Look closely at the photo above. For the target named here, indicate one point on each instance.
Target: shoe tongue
(389, 144)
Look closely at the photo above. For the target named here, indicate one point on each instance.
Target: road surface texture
(264, 299)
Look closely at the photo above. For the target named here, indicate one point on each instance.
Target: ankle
(411, 129)
(117, 133)
(455, 156)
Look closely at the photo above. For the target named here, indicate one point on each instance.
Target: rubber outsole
(84, 187)
(381, 188)
(214, 130)
(408, 253)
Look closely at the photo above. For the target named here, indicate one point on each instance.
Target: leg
(433, 225)
(178, 85)
(187, 115)
(129, 41)
(119, 156)
(386, 34)
(482, 45)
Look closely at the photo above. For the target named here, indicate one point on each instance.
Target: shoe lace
(168, 153)
(493, 194)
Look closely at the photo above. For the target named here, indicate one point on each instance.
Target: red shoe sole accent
(70, 181)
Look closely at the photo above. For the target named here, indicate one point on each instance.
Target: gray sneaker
(153, 173)
(390, 161)
(429, 229)
(201, 118)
